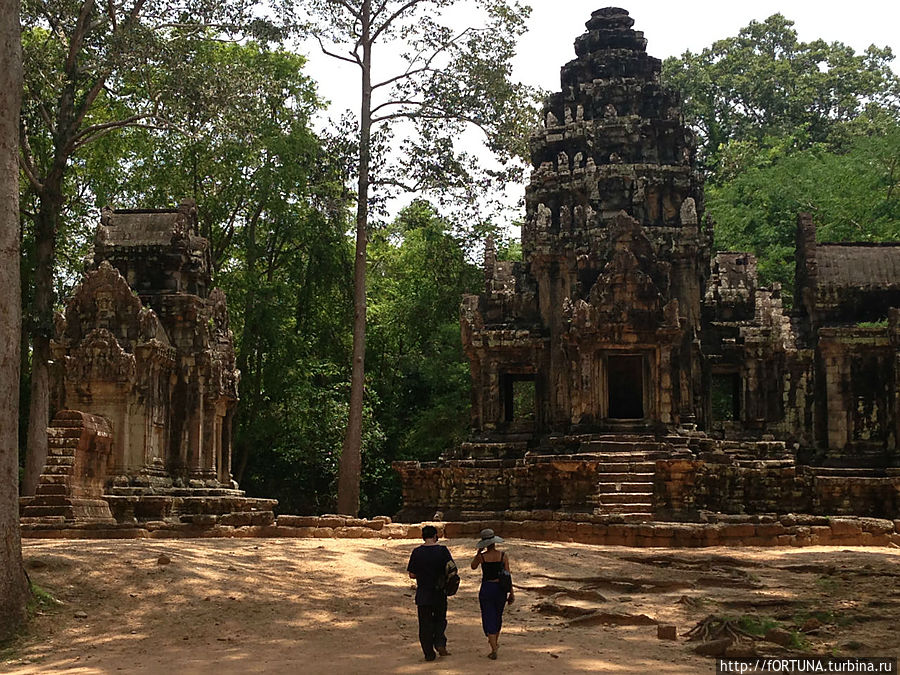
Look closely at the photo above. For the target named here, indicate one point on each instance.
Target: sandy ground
(346, 606)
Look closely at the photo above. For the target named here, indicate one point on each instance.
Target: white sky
(670, 26)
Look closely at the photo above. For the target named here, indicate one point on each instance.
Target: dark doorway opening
(726, 397)
(518, 398)
(626, 387)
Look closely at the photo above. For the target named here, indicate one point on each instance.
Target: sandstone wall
(766, 530)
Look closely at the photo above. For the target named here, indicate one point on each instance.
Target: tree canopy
(764, 83)
(786, 126)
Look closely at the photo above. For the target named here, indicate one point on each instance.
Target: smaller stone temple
(143, 381)
(625, 369)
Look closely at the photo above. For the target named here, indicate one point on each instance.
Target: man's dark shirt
(428, 563)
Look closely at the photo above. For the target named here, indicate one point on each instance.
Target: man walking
(427, 565)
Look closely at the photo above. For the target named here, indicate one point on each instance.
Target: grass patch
(828, 584)
(40, 602)
(798, 640)
(756, 625)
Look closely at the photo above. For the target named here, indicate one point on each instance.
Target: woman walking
(492, 597)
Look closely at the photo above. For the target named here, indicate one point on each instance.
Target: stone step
(627, 467)
(623, 446)
(36, 511)
(169, 492)
(625, 509)
(634, 488)
(55, 489)
(627, 477)
(57, 470)
(45, 520)
(60, 460)
(828, 471)
(641, 498)
(587, 438)
(625, 457)
(63, 432)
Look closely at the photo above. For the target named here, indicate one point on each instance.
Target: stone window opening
(725, 397)
(519, 398)
(625, 387)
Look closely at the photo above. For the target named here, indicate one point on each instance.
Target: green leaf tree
(765, 83)
(418, 270)
(854, 195)
(272, 203)
(448, 80)
(88, 72)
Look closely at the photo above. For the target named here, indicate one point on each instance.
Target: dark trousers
(432, 625)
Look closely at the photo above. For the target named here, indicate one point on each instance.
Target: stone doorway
(625, 387)
(519, 399)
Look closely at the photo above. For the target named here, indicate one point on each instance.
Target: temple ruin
(624, 368)
(143, 381)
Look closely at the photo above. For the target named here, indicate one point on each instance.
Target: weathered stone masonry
(624, 367)
(144, 379)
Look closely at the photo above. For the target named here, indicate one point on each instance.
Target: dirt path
(345, 606)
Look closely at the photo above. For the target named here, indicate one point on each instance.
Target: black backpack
(448, 584)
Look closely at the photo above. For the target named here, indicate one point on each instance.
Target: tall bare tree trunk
(351, 460)
(46, 227)
(13, 584)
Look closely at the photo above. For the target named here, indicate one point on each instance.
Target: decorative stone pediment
(99, 357)
(627, 291)
(624, 292)
(103, 300)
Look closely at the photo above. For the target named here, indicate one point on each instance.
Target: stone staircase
(79, 445)
(626, 465)
(625, 486)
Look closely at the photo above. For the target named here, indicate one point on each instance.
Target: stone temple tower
(597, 328)
(620, 371)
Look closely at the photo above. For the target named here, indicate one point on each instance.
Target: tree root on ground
(716, 628)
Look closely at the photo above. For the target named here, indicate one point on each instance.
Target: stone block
(394, 531)
(298, 521)
(770, 529)
(330, 521)
(666, 632)
(453, 530)
(737, 531)
(354, 533)
(877, 525)
(843, 527)
(262, 518)
(294, 532)
(239, 519)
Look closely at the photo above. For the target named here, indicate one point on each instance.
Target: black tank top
(490, 571)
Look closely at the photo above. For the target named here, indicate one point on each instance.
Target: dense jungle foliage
(784, 126)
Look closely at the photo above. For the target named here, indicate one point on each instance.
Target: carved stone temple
(143, 381)
(625, 369)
